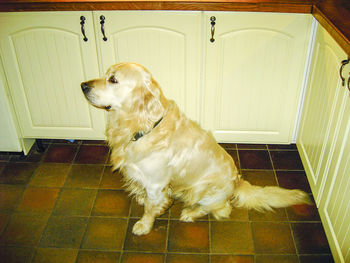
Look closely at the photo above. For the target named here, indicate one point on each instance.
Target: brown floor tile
(188, 237)
(16, 254)
(272, 238)
(84, 176)
(310, 238)
(275, 215)
(92, 154)
(316, 258)
(234, 154)
(252, 146)
(88, 256)
(105, 233)
(75, 202)
(231, 259)
(251, 159)
(112, 180)
(64, 232)
(187, 258)
(282, 146)
(94, 142)
(276, 259)
(55, 255)
(3, 222)
(50, 175)
(155, 241)
(303, 213)
(293, 180)
(10, 196)
(237, 214)
(17, 173)
(228, 146)
(262, 178)
(23, 230)
(231, 237)
(61, 153)
(112, 203)
(131, 257)
(38, 200)
(286, 160)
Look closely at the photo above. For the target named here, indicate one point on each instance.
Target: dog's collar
(140, 134)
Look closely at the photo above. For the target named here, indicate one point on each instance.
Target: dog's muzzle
(85, 87)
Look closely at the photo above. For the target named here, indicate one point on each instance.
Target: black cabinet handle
(82, 23)
(102, 22)
(343, 64)
(349, 82)
(212, 19)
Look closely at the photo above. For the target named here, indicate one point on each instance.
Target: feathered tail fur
(268, 197)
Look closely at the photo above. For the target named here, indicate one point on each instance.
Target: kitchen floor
(65, 205)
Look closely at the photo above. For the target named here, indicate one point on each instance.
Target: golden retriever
(164, 155)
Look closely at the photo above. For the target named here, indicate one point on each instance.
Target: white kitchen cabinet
(167, 43)
(253, 75)
(45, 60)
(324, 143)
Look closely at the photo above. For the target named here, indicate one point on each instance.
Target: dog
(165, 156)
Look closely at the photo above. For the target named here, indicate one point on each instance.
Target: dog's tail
(268, 197)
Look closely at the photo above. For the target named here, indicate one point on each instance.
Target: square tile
(251, 159)
(38, 200)
(188, 237)
(112, 180)
(84, 176)
(310, 238)
(112, 203)
(231, 259)
(303, 213)
(55, 255)
(155, 241)
(3, 222)
(75, 202)
(293, 180)
(64, 232)
(282, 146)
(316, 258)
(91, 256)
(17, 173)
(16, 254)
(252, 146)
(228, 146)
(234, 155)
(276, 259)
(261, 178)
(23, 230)
(231, 237)
(131, 257)
(50, 175)
(187, 258)
(61, 153)
(92, 154)
(286, 160)
(272, 238)
(10, 196)
(105, 234)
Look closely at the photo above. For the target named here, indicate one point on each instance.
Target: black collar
(140, 134)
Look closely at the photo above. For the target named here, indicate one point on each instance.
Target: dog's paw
(186, 215)
(141, 228)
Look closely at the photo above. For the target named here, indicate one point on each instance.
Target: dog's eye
(112, 79)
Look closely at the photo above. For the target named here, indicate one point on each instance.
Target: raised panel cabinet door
(320, 117)
(45, 60)
(167, 43)
(253, 75)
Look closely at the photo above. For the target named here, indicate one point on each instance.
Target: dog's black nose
(85, 87)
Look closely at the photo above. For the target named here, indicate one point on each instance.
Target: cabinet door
(253, 75)
(46, 59)
(167, 43)
(320, 118)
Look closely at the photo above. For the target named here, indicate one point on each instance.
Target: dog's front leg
(156, 202)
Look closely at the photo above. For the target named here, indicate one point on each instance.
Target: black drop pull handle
(212, 19)
(102, 22)
(343, 64)
(82, 23)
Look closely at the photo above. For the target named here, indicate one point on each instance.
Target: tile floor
(65, 205)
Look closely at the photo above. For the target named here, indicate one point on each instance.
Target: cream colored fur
(176, 159)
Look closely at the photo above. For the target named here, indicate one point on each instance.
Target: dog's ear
(149, 104)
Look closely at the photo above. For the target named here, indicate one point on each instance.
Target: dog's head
(126, 87)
